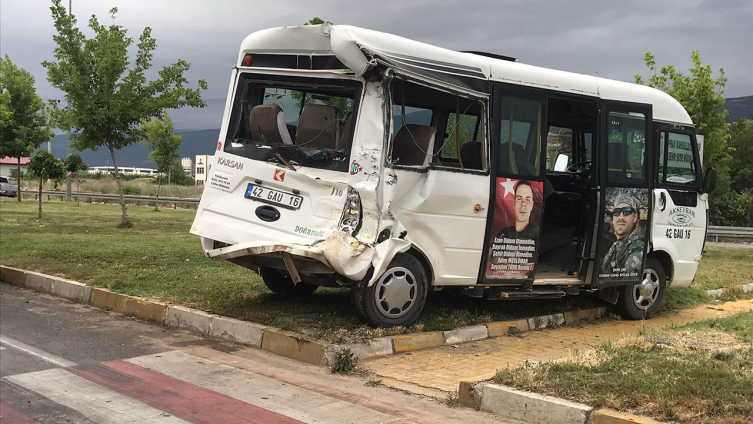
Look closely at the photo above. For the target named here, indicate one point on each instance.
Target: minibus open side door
(623, 217)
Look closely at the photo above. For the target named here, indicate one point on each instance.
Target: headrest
(413, 145)
(318, 126)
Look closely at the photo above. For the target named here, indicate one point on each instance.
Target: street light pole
(68, 179)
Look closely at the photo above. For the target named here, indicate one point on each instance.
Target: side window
(438, 126)
(520, 135)
(662, 165)
(559, 148)
(680, 164)
(413, 115)
(466, 127)
(626, 148)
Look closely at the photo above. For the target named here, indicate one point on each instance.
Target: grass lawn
(159, 259)
(702, 372)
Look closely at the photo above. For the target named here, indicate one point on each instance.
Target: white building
(9, 166)
(203, 165)
(187, 165)
(125, 170)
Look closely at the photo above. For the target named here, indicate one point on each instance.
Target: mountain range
(200, 142)
(204, 142)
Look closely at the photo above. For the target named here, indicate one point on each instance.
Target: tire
(644, 300)
(279, 281)
(397, 297)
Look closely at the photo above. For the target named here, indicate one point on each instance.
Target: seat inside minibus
(571, 124)
(318, 126)
(267, 123)
(456, 120)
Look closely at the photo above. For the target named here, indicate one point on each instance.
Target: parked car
(6, 188)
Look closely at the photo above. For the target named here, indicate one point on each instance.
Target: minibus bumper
(339, 253)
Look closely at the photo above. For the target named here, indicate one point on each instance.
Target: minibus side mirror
(709, 181)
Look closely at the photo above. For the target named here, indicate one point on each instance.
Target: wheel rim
(395, 292)
(646, 293)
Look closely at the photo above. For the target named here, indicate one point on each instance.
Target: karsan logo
(230, 163)
(681, 216)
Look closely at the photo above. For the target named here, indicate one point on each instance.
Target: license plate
(275, 197)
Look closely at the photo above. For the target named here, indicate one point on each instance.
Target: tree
(741, 167)
(74, 164)
(316, 21)
(45, 166)
(702, 96)
(23, 123)
(159, 138)
(107, 96)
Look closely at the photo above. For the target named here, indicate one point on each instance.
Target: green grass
(159, 259)
(671, 383)
(724, 267)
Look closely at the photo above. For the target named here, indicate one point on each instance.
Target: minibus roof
(360, 49)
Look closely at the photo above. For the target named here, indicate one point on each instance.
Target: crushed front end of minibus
(292, 189)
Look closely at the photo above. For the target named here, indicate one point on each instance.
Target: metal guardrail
(128, 197)
(732, 234)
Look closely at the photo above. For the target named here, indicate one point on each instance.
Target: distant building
(125, 170)
(203, 165)
(187, 165)
(9, 165)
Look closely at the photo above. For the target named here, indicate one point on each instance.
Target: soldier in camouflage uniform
(625, 256)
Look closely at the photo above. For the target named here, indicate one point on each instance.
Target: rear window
(307, 121)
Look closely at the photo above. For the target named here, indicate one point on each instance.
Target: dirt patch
(713, 341)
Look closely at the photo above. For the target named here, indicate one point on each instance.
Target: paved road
(62, 362)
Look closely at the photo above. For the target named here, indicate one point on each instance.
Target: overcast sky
(595, 37)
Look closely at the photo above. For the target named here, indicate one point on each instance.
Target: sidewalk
(445, 367)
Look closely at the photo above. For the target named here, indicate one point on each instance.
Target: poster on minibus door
(623, 234)
(515, 229)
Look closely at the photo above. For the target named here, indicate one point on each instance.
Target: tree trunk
(40, 198)
(159, 186)
(18, 179)
(124, 219)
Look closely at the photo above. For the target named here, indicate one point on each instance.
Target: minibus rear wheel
(644, 300)
(397, 297)
(279, 281)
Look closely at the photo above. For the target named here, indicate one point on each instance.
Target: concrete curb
(747, 288)
(514, 404)
(274, 340)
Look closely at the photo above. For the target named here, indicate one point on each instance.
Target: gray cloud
(587, 36)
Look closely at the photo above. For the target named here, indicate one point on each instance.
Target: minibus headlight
(351, 216)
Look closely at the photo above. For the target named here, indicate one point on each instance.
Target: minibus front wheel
(397, 297)
(644, 300)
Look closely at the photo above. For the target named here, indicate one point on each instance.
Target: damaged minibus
(358, 159)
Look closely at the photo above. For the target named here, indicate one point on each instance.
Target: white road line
(31, 350)
(264, 392)
(95, 402)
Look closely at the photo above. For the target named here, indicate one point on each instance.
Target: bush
(345, 362)
(132, 190)
(732, 208)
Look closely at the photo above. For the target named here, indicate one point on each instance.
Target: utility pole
(68, 179)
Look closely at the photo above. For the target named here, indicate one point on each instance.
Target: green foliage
(45, 166)
(131, 190)
(702, 96)
(159, 138)
(741, 167)
(108, 96)
(74, 163)
(316, 21)
(732, 208)
(345, 362)
(23, 123)
(177, 176)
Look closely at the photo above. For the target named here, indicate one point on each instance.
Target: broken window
(306, 121)
(442, 129)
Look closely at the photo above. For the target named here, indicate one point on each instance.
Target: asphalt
(62, 362)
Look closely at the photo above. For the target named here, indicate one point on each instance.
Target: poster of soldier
(623, 235)
(515, 229)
